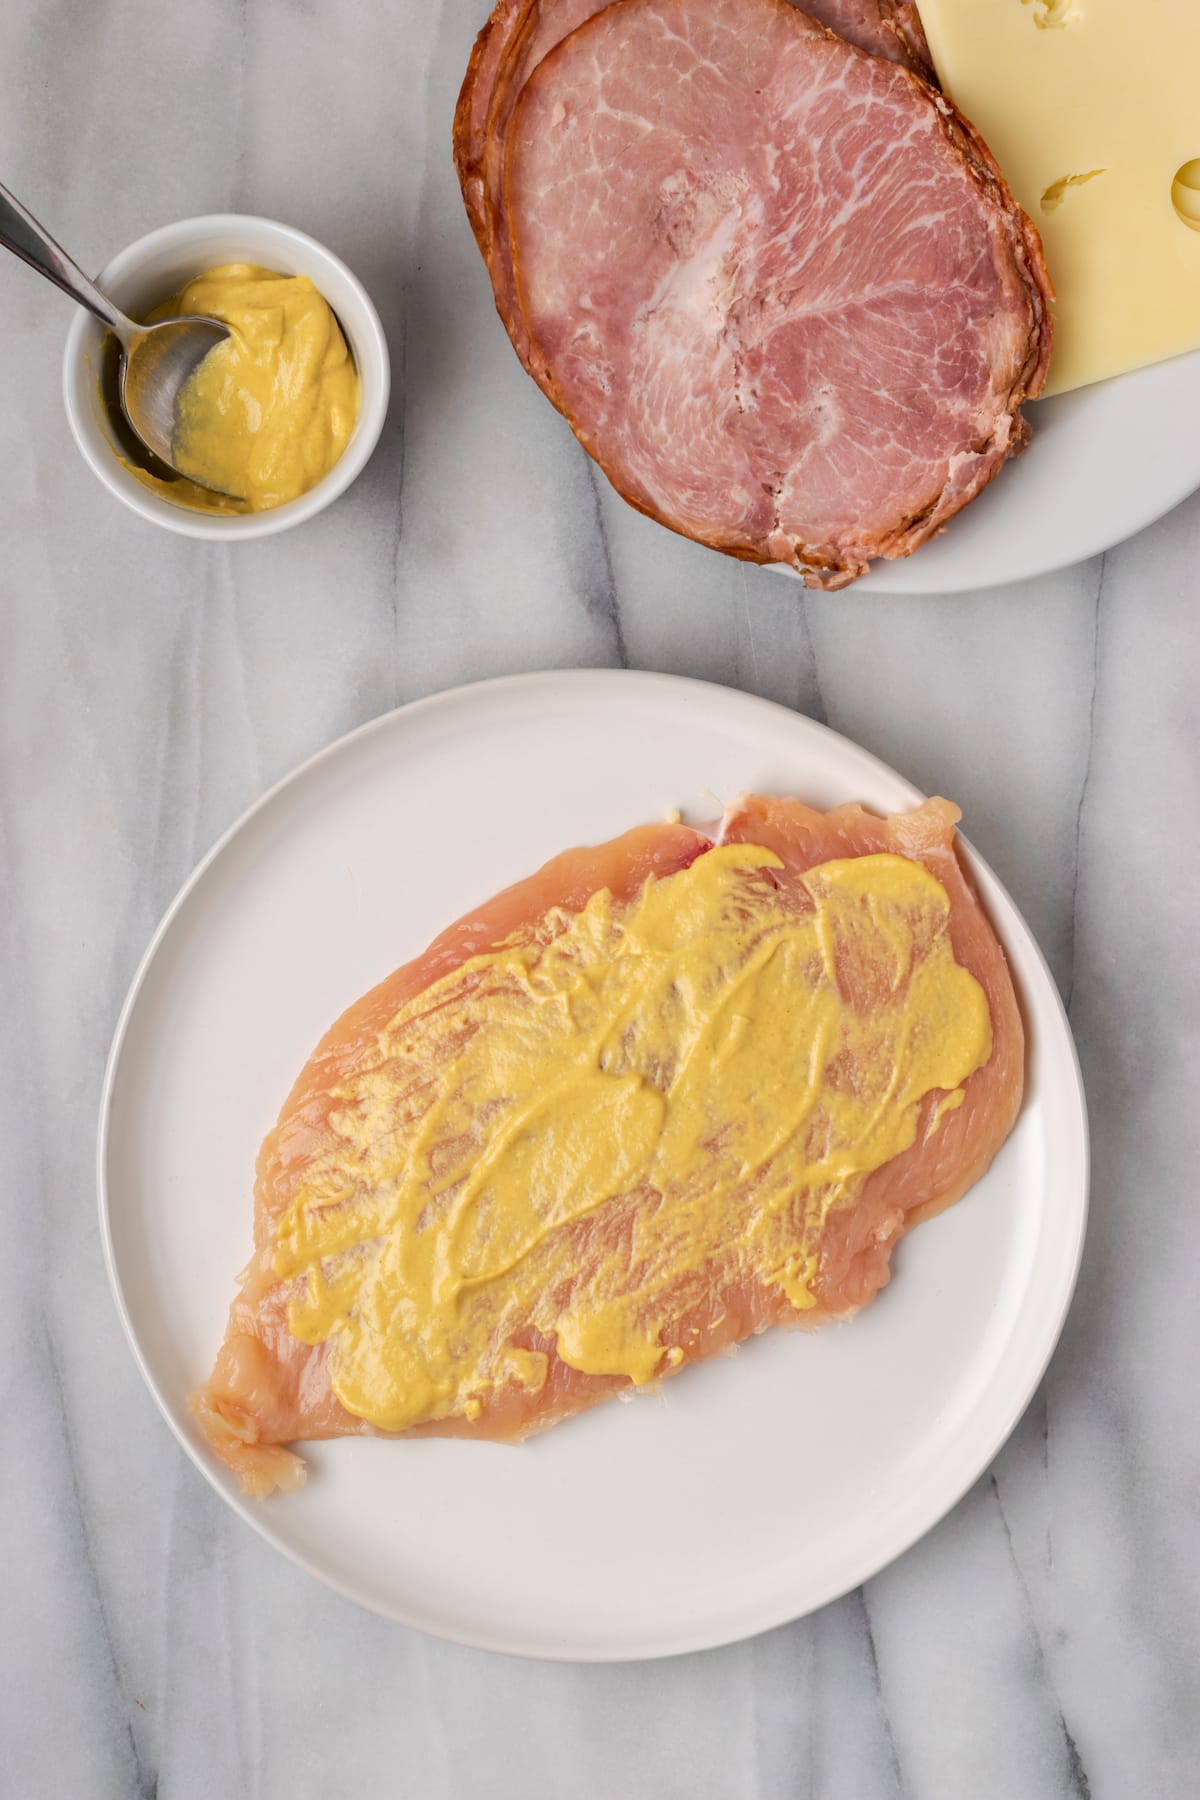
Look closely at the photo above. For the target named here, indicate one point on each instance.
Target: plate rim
(675, 1641)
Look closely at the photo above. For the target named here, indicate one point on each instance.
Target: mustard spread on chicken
(572, 1130)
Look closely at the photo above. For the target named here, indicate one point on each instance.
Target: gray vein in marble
(1077, 1774)
(1097, 620)
(810, 699)
(602, 598)
(1079, 1787)
(881, 1700)
(396, 406)
(239, 172)
(398, 356)
(144, 1787)
(746, 614)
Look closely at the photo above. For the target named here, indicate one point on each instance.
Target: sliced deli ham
(518, 36)
(521, 33)
(777, 286)
(890, 28)
(474, 104)
(905, 20)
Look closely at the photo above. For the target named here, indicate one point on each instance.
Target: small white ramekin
(157, 266)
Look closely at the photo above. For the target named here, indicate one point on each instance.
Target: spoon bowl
(157, 362)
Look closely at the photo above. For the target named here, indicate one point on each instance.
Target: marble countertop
(1043, 1641)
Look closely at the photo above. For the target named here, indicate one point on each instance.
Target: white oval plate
(751, 1490)
(1105, 462)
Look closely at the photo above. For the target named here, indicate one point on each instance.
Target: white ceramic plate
(1104, 463)
(751, 1490)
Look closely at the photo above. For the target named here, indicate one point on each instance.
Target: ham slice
(888, 28)
(777, 286)
(521, 33)
(905, 20)
(269, 1389)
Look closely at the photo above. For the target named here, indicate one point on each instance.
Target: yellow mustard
(269, 412)
(682, 1084)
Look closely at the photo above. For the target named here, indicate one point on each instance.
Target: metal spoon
(156, 360)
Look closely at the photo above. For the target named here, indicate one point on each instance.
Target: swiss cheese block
(1092, 110)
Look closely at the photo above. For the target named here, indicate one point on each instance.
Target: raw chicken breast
(269, 1388)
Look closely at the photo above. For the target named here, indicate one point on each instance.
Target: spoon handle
(21, 233)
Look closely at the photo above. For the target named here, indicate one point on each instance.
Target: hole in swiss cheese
(1185, 193)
